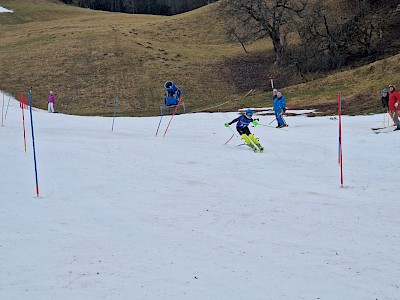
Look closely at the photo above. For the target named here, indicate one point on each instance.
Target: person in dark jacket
(385, 98)
(385, 102)
(242, 127)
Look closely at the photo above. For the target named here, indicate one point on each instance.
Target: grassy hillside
(88, 57)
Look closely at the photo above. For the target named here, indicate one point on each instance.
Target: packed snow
(5, 10)
(125, 214)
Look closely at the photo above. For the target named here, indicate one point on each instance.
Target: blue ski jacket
(242, 121)
(279, 104)
(172, 93)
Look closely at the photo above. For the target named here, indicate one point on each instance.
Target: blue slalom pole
(115, 110)
(162, 115)
(33, 142)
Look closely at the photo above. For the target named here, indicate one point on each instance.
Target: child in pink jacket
(51, 100)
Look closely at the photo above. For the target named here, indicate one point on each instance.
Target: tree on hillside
(257, 19)
(326, 44)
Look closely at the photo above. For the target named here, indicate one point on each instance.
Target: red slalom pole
(173, 114)
(229, 139)
(340, 154)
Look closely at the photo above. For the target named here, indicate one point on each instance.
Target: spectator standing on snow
(385, 102)
(394, 101)
(51, 101)
(280, 108)
(242, 127)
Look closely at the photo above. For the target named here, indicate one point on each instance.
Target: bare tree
(326, 44)
(263, 18)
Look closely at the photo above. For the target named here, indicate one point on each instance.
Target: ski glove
(226, 125)
(396, 104)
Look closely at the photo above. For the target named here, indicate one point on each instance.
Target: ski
(378, 128)
(384, 131)
(255, 150)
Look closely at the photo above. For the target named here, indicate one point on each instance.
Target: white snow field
(5, 10)
(128, 215)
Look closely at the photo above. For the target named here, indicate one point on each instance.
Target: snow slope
(5, 10)
(128, 215)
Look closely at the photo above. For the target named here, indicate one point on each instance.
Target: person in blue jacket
(280, 109)
(172, 93)
(242, 126)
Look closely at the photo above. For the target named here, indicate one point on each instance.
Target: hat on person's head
(384, 91)
(279, 94)
(274, 91)
(392, 85)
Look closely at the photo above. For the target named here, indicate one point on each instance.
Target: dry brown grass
(88, 57)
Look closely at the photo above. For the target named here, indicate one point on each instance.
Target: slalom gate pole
(115, 110)
(33, 143)
(290, 107)
(162, 115)
(229, 139)
(2, 113)
(22, 104)
(340, 154)
(271, 79)
(173, 114)
(8, 104)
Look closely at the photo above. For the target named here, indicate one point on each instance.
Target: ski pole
(162, 114)
(2, 112)
(388, 118)
(269, 126)
(8, 104)
(115, 110)
(384, 121)
(232, 130)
